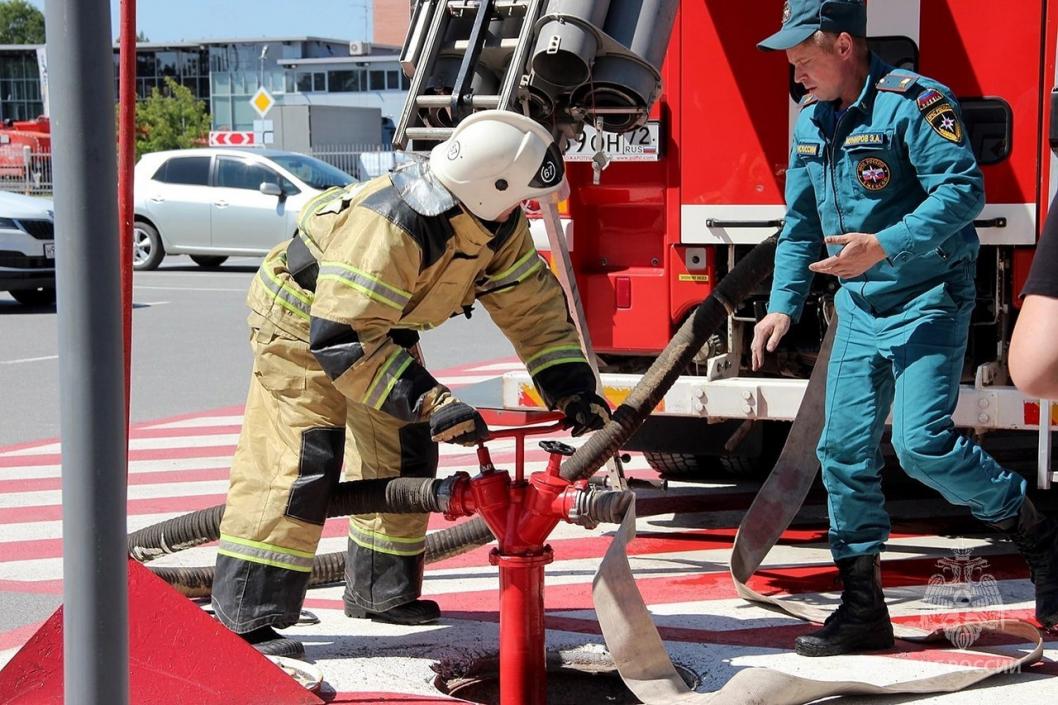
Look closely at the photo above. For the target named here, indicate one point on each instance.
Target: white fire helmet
(495, 159)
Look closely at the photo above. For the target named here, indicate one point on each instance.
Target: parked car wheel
(147, 248)
(44, 296)
(208, 261)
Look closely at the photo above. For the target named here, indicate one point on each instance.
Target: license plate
(49, 250)
(638, 145)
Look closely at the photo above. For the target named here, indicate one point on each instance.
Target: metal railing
(30, 173)
(25, 171)
(360, 161)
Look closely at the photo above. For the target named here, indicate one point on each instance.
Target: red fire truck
(692, 190)
(22, 142)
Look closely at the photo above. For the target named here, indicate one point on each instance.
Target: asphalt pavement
(190, 349)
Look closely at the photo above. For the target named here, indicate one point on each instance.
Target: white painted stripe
(29, 359)
(171, 442)
(495, 447)
(508, 366)
(166, 490)
(37, 530)
(189, 288)
(718, 559)
(33, 472)
(199, 422)
(463, 380)
(454, 457)
(168, 275)
(42, 569)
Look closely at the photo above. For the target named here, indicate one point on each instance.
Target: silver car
(215, 203)
(27, 248)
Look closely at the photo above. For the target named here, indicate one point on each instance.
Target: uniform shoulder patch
(809, 149)
(928, 97)
(897, 82)
(939, 113)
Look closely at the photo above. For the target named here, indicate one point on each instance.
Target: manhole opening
(570, 681)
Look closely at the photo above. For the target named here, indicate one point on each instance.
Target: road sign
(231, 138)
(263, 132)
(262, 101)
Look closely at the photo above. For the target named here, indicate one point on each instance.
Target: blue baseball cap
(803, 18)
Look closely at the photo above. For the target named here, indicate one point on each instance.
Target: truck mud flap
(640, 654)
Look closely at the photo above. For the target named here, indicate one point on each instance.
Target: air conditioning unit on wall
(359, 48)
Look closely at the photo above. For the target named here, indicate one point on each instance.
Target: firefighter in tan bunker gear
(334, 320)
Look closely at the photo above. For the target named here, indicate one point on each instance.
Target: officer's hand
(584, 412)
(453, 421)
(861, 251)
(767, 334)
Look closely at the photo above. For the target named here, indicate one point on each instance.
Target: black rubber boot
(861, 622)
(270, 643)
(1036, 537)
(410, 613)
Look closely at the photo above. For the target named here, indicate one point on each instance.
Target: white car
(215, 203)
(27, 248)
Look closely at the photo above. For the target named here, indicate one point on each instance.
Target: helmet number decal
(548, 172)
(453, 150)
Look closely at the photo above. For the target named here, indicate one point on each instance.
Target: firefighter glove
(584, 412)
(453, 421)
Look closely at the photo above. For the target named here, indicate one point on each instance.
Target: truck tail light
(623, 292)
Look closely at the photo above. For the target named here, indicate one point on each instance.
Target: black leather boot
(270, 643)
(410, 613)
(1036, 537)
(861, 622)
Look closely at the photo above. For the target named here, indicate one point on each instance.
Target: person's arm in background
(1034, 345)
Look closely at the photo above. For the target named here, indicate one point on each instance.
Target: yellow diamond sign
(262, 101)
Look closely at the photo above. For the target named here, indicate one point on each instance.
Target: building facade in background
(227, 73)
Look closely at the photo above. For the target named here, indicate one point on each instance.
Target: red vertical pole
(523, 668)
(126, 162)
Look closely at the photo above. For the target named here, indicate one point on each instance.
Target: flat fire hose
(639, 652)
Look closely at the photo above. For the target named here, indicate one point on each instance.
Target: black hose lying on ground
(729, 293)
(396, 495)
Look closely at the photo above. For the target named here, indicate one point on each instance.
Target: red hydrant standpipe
(521, 514)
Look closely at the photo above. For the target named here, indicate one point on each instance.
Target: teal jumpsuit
(897, 164)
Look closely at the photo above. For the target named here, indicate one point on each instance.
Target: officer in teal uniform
(882, 173)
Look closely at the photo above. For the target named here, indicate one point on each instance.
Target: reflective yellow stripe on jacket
(556, 355)
(387, 377)
(370, 286)
(290, 298)
(514, 274)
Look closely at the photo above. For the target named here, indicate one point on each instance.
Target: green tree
(20, 23)
(171, 118)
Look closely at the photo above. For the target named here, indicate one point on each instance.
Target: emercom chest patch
(808, 149)
(873, 174)
(865, 139)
